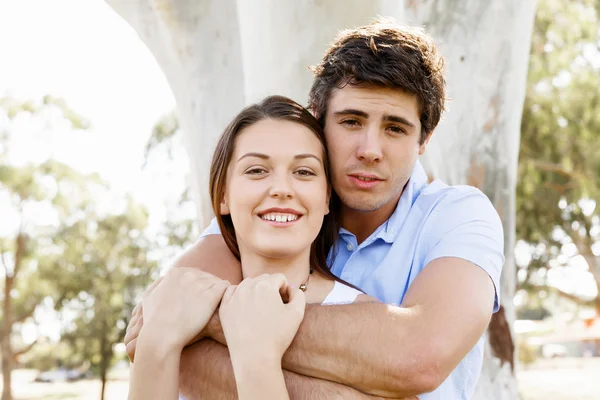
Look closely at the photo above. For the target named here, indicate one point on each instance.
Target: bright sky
(83, 52)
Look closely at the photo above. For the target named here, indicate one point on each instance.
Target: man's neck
(363, 223)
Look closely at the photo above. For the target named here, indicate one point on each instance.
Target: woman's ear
(224, 207)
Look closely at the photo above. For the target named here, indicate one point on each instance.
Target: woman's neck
(295, 268)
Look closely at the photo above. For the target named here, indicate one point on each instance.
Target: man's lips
(364, 181)
(366, 176)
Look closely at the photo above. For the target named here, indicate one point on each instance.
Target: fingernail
(292, 285)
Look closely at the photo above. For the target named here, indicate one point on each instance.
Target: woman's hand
(257, 324)
(177, 307)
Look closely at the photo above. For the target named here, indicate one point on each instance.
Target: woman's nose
(281, 188)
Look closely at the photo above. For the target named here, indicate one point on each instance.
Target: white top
(341, 294)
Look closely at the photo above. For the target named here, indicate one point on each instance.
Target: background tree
(559, 167)
(109, 263)
(269, 45)
(91, 259)
(26, 250)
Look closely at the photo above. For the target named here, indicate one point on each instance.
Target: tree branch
(552, 167)
(27, 314)
(559, 188)
(20, 250)
(574, 298)
(3, 262)
(24, 349)
(584, 247)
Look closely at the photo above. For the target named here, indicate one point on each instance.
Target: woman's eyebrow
(306, 155)
(259, 155)
(266, 157)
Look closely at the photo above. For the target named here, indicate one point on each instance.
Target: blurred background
(106, 132)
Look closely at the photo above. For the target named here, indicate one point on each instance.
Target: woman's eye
(255, 171)
(305, 172)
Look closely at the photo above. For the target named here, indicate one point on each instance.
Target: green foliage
(92, 265)
(107, 266)
(559, 162)
(178, 230)
(162, 134)
(527, 352)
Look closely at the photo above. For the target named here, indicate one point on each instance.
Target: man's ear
(423, 146)
(327, 200)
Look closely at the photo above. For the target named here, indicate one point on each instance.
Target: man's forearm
(350, 344)
(206, 372)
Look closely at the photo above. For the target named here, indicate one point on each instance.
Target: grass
(558, 379)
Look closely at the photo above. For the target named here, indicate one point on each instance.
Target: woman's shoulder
(342, 293)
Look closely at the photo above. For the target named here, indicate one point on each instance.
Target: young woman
(270, 191)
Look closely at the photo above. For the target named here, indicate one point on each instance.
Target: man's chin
(362, 203)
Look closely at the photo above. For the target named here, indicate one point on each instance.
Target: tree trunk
(278, 46)
(6, 347)
(197, 45)
(213, 73)
(103, 380)
(106, 355)
(486, 45)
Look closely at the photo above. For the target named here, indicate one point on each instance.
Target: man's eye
(396, 129)
(350, 123)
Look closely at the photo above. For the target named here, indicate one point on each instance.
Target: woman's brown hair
(276, 108)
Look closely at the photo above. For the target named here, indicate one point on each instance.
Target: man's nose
(370, 146)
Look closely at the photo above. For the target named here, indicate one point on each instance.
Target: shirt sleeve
(466, 225)
(212, 229)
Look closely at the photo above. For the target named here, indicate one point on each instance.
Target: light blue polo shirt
(430, 221)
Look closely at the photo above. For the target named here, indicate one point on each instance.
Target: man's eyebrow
(400, 120)
(351, 111)
(386, 117)
(266, 157)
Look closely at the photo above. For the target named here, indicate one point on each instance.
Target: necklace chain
(304, 285)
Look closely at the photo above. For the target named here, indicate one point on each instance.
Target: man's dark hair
(383, 55)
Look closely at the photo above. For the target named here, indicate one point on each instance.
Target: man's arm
(212, 255)
(411, 350)
(398, 351)
(206, 372)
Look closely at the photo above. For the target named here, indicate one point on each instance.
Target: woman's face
(276, 192)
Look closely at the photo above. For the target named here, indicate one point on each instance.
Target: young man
(436, 250)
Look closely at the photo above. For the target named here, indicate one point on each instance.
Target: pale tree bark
(219, 55)
(197, 45)
(278, 46)
(486, 45)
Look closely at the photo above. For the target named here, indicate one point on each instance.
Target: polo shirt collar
(417, 181)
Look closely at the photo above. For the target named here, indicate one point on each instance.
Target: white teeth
(280, 217)
(365, 179)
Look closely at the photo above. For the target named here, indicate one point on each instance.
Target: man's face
(373, 141)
